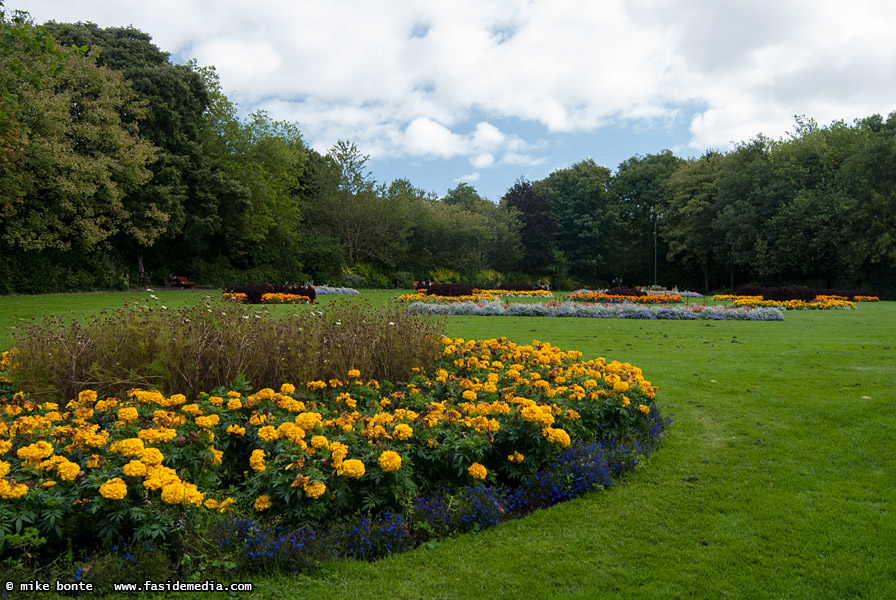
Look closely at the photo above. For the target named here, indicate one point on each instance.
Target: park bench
(178, 281)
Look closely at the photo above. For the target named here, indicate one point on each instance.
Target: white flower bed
(496, 308)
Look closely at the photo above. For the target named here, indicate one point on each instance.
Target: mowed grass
(776, 479)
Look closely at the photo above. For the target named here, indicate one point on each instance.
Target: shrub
(449, 289)
(625, 291)
(404, 280)
(487, 279)
(443, 275)
(517, 287)
(790, 292)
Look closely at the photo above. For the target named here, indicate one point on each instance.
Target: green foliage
(444, 275)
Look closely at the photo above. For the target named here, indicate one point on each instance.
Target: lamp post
(654, 251)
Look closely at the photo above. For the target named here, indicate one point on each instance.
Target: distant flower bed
(866, 299)
(271, 293)
(818, 304)
(517, 293)
(324, 290)
(284, 299)
(605, 311)
(589, 296)
(512, 426)
(436, 299)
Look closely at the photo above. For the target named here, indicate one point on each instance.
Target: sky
(486, 92)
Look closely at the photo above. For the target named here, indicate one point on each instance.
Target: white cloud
(469, 178)
(432, 80)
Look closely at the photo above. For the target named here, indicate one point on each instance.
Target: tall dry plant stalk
(210, 344)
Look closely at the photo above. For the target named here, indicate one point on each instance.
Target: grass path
(776, 479)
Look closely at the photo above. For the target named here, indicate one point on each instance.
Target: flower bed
(517, 293)
(818, 304)
(500, 427)
(589, 296)
(276, 298)
(436, 299)
(606, 311)
(324, 290)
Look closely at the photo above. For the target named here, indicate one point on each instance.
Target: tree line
(116, 162)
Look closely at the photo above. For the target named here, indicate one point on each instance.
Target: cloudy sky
(487, 91)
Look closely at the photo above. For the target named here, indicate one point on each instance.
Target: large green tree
(585, 216)
(185, 181)
(537, 226)
(80, 162)
(687, 222)
(640, 189)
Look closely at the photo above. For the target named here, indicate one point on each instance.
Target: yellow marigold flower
(236, 430)
(572, 415)
(4, 468)
(352, 467)
(151, 456)
(354, 373)
(314, 489)
(94, 461)
(469, 395)
(234, 404)
(207, 422)
(287, 388)
(128, 414)
(68, 470)
(174, 493)
(338, 451)
(390, 461)
(264, 394)
(308, 420)
(625, 401)
(316, 385)
(49, 483)
(233, 394)
(556, 436)
(256, 461)
(174, 400)
(135, 468)
(210, 504)
(644, 409)
(320, 441)
(516, 457)
(35, 452)
(5, 445)
(402, 432)
(128, 447)
(268, 433)
(263, 503)
(87, 396)
(216, 400)
(114, 489)
(191, 409)
(477, 471)
(225, 505)
(216, 456)
(11, 491)
(536, 414)
(292, 432)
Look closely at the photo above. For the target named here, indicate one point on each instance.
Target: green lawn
(776, 479)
